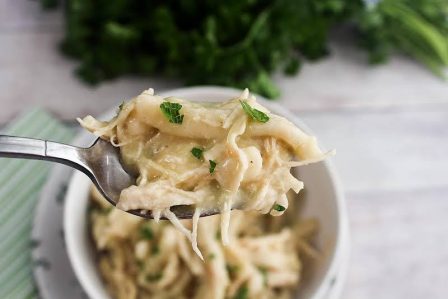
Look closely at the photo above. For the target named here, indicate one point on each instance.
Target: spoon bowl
(105, 170)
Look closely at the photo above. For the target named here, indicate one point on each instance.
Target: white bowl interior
(323, 201)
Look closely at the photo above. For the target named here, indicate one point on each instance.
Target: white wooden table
(389, 125)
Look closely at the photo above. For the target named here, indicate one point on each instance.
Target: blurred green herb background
(241, 43)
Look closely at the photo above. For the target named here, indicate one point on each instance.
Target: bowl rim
(339, 255)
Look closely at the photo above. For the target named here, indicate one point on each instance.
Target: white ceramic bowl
(323, 201)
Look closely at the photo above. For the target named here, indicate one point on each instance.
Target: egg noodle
(206, 155)
(141, 259)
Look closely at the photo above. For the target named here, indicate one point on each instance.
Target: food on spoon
(206, 155)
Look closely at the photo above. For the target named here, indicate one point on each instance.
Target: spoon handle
(19, 147)
(36, 149)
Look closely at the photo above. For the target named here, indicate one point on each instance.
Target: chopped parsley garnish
(211, 256)
(212, 166)
(91, 208)
(120, 107)
(140, 264)
(171, 111)
(264, 273)
(232, 269)
(155, 250)
(146, 233)
(279, 208)
(154, 277)
(255, 114)
(242, 293)
(197, 152)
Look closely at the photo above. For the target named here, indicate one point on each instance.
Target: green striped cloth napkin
(20, 185)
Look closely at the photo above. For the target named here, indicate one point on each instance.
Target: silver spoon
(100, 162)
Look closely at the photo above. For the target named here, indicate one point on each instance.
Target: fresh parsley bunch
(418, 28)
(235, 43)
(241, 42)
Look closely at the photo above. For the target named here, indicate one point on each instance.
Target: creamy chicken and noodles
(141, 259)
(221, 155)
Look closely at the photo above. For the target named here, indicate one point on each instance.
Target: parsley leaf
(242, 293)
(120, 107)
(212, 166)
(155, 250)
(154, 277)
(197, 152)
(146, 233)
(279, 208)
(171, 112)
(232, 269)
(255, 114)
(264, 273)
